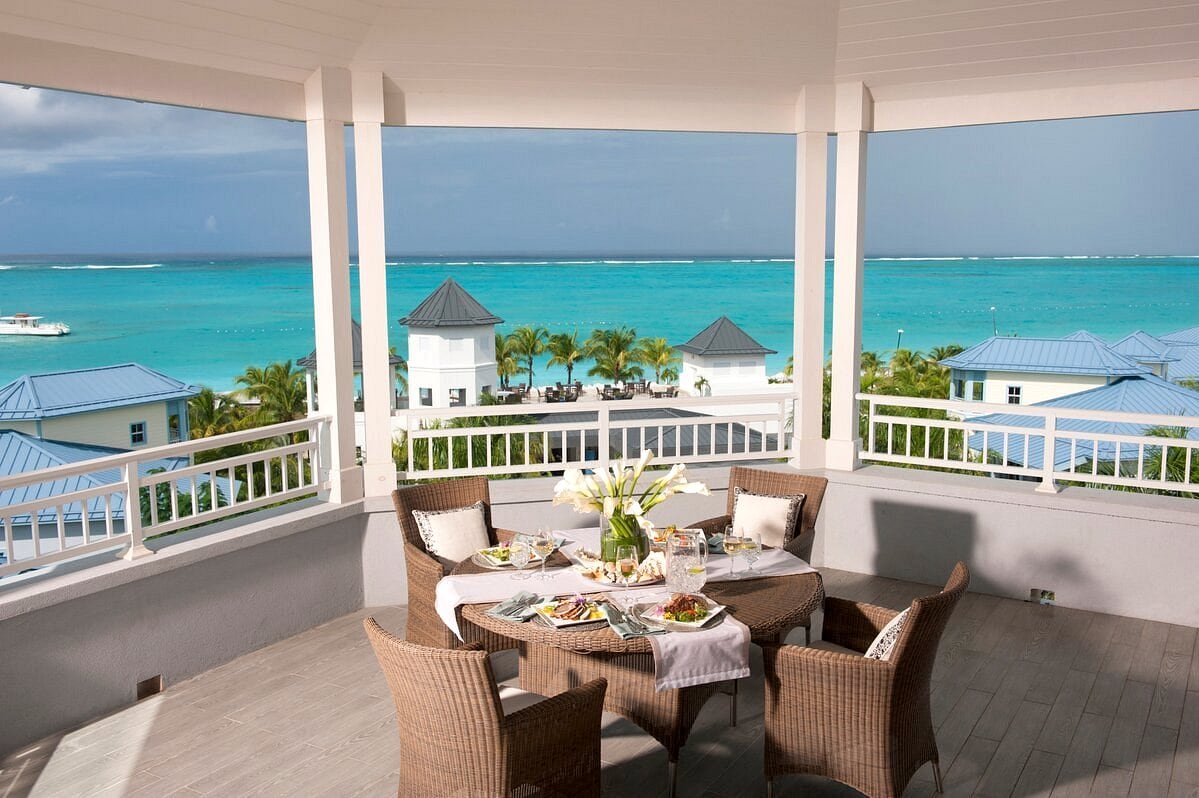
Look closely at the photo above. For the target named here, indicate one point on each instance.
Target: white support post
(814, 121)
(1048, 453)
(378, 377)
(310, 388)
(133, 516)
(327, 96)
(853, 121)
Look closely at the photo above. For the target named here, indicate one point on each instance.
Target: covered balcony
(240, 631)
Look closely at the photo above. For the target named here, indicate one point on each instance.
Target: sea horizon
(203, 318)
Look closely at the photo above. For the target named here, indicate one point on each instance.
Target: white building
(725, 358)
(451, 349)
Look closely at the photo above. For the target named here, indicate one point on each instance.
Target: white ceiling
(668, 64)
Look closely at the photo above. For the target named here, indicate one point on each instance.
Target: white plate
(651, 613)
(481, 557)
(600, 613)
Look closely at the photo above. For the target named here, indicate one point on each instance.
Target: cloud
(42, 130)
(210, 224)
(11, 198)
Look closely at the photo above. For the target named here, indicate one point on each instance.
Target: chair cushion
(453, 535)
(774, 517)
(884, 645)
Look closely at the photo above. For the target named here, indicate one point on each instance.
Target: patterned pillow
(884, 645)
(774, 517)
(453, 535)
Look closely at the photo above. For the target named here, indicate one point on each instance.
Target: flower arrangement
(613, 494)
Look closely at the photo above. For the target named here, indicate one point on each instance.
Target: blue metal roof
(1188, 336)
(1083, 335)
(1144, 348)
(1144, 393)
(63, 393)
(1044, 355)
(21, 453)
(1187, 367)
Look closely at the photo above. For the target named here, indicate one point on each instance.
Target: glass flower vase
(621, 530)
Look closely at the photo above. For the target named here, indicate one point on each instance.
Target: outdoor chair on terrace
(457, 739)
(776, 483)
(425, 570)
(862, 721)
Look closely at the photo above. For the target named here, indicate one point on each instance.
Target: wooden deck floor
(1028, 701)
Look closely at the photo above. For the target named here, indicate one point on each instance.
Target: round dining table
(556, 659)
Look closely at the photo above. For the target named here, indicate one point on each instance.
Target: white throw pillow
(884, 645)
(774, 517)
(453, 535)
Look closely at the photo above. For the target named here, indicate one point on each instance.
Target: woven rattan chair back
(434, 496)
(778, 483)
(916, 648)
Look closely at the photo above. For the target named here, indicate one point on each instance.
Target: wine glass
(520, 554)
(626, 564)
(751, 550)
(732, 545)
(543, 544)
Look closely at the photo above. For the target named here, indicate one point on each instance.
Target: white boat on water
(24, 324)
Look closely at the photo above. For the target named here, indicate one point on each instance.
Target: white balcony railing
(1047, 443)
(534, 438)
(61, 513)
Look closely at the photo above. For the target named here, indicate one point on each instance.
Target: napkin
(716, 543)
(517, 609)
(626, 627)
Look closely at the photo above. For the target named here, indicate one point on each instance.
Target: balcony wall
(1100, 550)
(76, 644)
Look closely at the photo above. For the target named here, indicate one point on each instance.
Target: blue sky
(95, 175)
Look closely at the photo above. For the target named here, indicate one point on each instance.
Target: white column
(378, 383)
(853, 121)
(327, 96)
(311, 391)
(814, 120)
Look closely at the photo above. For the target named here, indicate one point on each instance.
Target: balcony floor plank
(1028, 700)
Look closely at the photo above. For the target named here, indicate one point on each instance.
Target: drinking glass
(751, 550)
(732, 545)
(520, 553)
(626, 564)
(695, 569)
(543, 544)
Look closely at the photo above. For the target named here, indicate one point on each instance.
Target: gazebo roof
(309, 361)
(450, 306)
(723, 337)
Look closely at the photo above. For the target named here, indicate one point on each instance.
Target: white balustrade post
(133, 514)
(1049, 452)
(854, 119)
(378, 381)
(327, 96)
(603, 436)
(814, 120)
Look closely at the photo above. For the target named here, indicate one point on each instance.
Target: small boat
(24, 324)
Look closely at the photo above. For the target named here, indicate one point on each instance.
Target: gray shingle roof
(62, 393)
(450, 306)
(723, 337)
(1044, 355)
(309, 360)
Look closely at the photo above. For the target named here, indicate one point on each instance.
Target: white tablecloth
(681, 659)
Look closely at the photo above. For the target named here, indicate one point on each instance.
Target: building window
(456, 345)
(977, 391)
(487, 390)
(457, 397)
(959, 389)
(426, 397)
(1013, 394)
(137, 433)
(174, 428)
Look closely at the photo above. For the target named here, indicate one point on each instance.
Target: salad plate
(651, 571)
(681, 612)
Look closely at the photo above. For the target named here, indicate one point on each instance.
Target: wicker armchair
(424, 570)
(456, 740)
(778, 483)
(863, 722)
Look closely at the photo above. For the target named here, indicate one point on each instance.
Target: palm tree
(702, 386)
(939, 353)
(279, 389)
(505, 360)
(658, 354)
(565, 350)
(401, 372)
(789, 369)
(528, 342)
(613, 352)
(670, 374)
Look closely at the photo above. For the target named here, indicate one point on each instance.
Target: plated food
(651, 570)
(683, 611)
(500, 556)
(571, 611)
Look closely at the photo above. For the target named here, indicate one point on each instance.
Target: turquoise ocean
(203, 320)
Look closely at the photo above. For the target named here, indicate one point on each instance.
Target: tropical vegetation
(615, 354)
